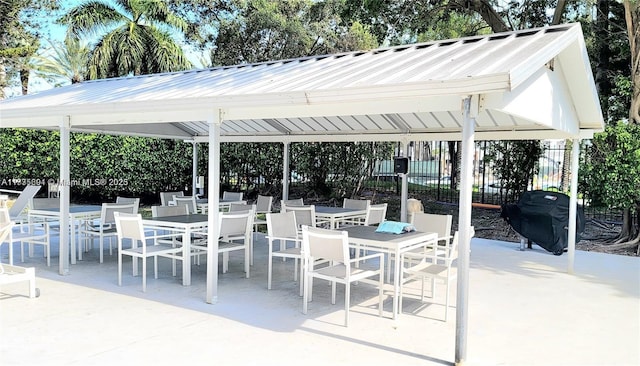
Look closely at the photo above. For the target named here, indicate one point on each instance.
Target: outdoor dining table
(396, 244)
(77, 215)
(186, 225)
(203, 204)
(333, 215)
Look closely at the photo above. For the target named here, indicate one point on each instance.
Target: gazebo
(529, 84)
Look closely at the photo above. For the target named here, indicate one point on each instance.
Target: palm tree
(133, 37)
(66, 63)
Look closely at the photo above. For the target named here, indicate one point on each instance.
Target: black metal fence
(430, 168)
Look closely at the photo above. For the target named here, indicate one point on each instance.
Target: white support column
(464, 231)
(65, 196)
(404, 194)
(573, 204)
(194, 169)
(285, 171)
(214, 122)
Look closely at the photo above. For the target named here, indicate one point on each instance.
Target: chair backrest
(293, 202)
(305, 215)
(6, 225)
(167, 197)
(162, 211)
(236, 224)
(282, 225)
(129, 226)
(433, 223)
(189, 201)
(108, 210)
(23, 200)
(39, 203)
(4, 216)
(263, 204)
(376, 214)
(327, 244)
(239, 207)
(134, 200)
(232, 196)
(356, 204)
(452, 253)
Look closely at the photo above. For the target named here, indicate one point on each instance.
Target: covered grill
(542, 217)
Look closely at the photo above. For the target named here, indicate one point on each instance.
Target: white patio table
(396, 244)
(333, 215)
(185, 224)
(203, 204)
(77, 215)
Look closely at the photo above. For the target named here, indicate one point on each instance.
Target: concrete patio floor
(524, 309)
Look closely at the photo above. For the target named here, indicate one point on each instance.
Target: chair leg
(144, 274)
(381, 292)
(155, 266)
(305, 295)
(347, 298)
(301, 281)
(101, 249)
(119, 267)
(333, 292)
(389, 267)
(247, 259)
(269, 270)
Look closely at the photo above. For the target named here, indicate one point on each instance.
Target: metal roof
(534, 83)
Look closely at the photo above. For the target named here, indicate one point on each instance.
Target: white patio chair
(166, 198)
(13, 274)
(129, 226)
(263, 206)
(40, 203)
(429, 268)
(235, 235)
(25, 233)
(333, 246)
(357, 205)
(166, 236)
(305, 215)
(376, 214)
(282, 227)
(125, 200)
(162, 211)
(239, 207)
(428, 223)
(104, 227)
(189, 201)
(291, 202)
(24, 199)
(232, 196)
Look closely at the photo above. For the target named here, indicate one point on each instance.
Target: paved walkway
(524, 309)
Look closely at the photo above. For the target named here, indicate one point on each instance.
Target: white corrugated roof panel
(392, 91)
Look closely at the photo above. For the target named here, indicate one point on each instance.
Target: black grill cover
(543, 218)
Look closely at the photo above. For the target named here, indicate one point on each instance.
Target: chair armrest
(368, 256)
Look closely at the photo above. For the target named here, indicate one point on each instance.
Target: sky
(56, 33)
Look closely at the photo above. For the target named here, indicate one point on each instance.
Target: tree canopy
(133, 37)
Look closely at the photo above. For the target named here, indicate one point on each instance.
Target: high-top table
(77, 214)
(185, 224)
(394, 244)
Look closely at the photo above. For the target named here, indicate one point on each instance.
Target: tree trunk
(632, 17)
(24, 80)
(487, 12)
(3, 78)
(625, 231)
